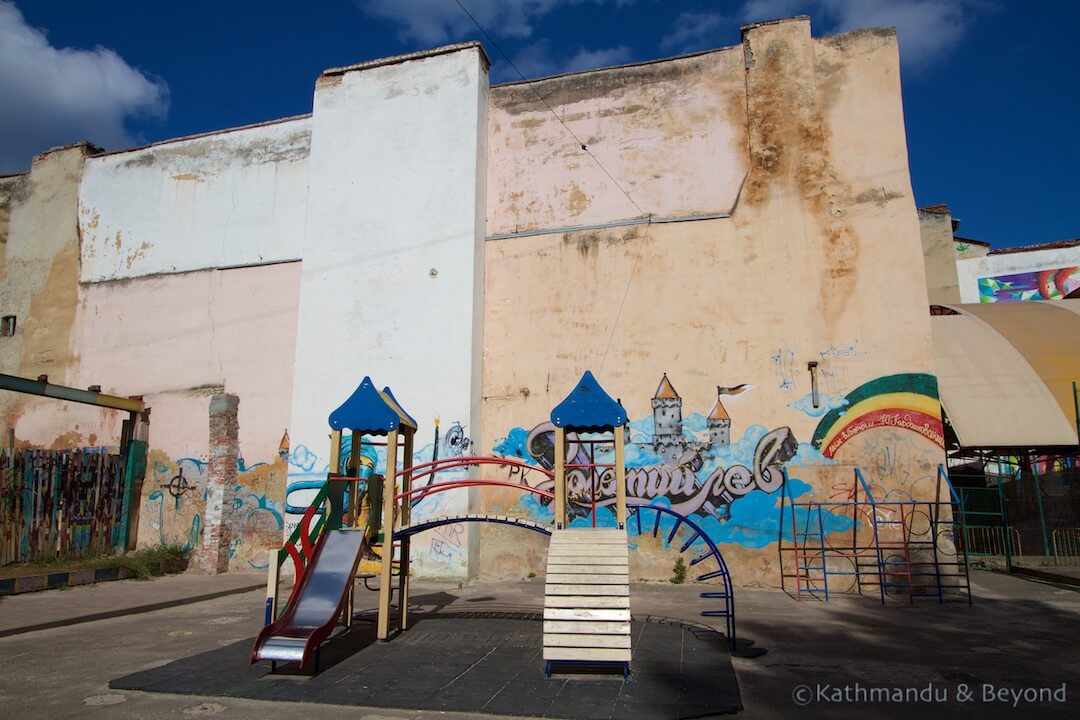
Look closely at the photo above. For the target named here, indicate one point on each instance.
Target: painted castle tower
(719, 423)
(668, 440)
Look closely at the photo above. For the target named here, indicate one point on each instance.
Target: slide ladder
(587, 598)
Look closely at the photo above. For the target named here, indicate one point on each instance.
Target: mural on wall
(907, 401)
(891, 428)
(701, 466)
(175, 499)
(695, 465)
(1029, 286)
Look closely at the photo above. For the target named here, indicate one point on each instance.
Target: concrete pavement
(1019, 636)
(56, 608)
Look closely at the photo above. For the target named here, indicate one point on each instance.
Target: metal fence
(986, 523)
(60, 503)
(1044, 505)
(1066, 546)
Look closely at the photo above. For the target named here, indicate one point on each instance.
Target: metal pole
(1076, 411)
(560, 478)
(1005, 522)
(1034, 460)
(620, 476)
(386, 575)
(405, 519)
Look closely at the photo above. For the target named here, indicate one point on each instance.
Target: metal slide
(315, 603)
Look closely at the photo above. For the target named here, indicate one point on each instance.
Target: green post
(1005, 523)
(134, 470)
(1039, 501)
(1076, 411)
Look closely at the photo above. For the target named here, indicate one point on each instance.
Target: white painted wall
(971, 269)
(231, 198)
(396, 192)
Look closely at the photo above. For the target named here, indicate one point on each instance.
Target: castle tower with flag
(719, 423)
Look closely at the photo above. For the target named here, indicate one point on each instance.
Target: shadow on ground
(486, 661)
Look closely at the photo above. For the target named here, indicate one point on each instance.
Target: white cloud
(926, 29)
(54, 96)
(535, 60)
(438, 21)
(591, 59)
(693, 31)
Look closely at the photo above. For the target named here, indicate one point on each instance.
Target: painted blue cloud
(513, 445)
(805, 404)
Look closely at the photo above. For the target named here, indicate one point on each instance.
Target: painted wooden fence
(60, 503)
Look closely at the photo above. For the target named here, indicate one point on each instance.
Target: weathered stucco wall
(672, 134)
(176, 340)
(784, 160)
(38, 284)
(940, 254)
(820, 261)
(228, 198)
(1047, 274)
(393, 248)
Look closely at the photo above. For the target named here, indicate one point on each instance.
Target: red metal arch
(426, 490)
(430, 468)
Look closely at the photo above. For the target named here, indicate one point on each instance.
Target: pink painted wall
(177, 339)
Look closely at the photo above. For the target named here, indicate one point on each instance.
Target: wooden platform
(587, 596)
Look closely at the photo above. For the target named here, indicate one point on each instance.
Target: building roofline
(208, 133)
(1041, 246)
(418, 55)
(639, 63)
(970, 241)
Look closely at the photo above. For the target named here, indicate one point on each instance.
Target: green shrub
(680, 572)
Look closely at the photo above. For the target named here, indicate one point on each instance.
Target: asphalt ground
(1014, 654)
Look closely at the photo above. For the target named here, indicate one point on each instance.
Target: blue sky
(991, 91)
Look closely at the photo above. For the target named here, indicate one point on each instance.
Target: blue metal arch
(699, 534)
(440, 521)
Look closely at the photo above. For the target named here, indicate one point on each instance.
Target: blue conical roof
(588, 407)
(369, 412)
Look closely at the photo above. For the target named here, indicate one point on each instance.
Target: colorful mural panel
(908, 401)
(174, 501)
(690, 464)
(1036, 285)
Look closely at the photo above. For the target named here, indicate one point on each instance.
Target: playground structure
(586, 597)
(914, 548)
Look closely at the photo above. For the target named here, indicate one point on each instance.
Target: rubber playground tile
(526, 697)
(468, 664)
(586, 699)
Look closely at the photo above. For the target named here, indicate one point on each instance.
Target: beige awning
(1006, 372)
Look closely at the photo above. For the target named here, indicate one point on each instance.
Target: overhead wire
(641, 213)
(541, 98)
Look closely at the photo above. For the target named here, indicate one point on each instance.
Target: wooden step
(587, 614)
(586, 627)
(587, 654)
(595, 641)
(586, 601)
(588, 569)
(576, 589)
(613, 558)
(566, 578)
